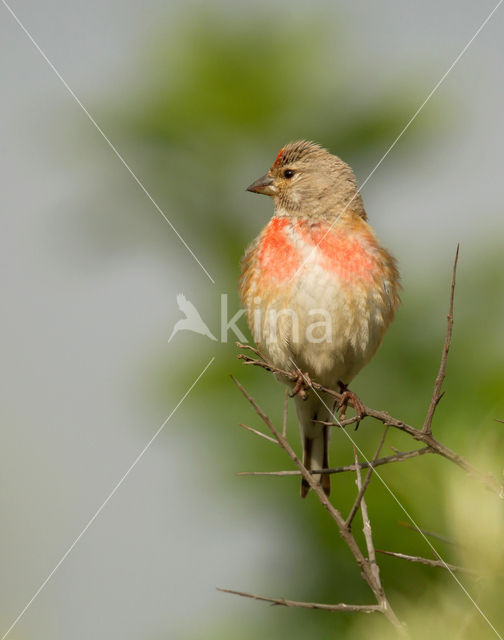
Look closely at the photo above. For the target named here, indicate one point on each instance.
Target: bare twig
(251, 348)
(437, 394)
(257, 409)
(366, 608)
(265, 365)
(428, 561)
(340, 423)
(366, 523)
(487, 479)
(367, 479)
(258, 433)
(367, 571)
(290, 472)
(349, 467)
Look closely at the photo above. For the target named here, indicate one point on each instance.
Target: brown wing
(248, 265)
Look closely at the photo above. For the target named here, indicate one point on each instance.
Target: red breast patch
(340, 253)
(278, 259)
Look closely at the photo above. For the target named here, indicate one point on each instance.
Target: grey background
(75, 331)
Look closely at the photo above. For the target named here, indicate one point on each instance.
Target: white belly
(326, 327)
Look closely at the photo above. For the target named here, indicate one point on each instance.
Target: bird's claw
(346, 396)
(303, 382)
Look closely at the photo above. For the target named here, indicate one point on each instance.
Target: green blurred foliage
(222, 94)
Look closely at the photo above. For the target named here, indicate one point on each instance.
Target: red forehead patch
(278, 156)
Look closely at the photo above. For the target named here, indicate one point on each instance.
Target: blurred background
(198, 99)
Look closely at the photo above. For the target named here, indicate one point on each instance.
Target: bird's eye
(288, 173)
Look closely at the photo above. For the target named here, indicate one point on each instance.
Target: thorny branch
(368, 571)
(428, 561)
(366, 523)
(366, 608)
(399, 457)
(368, 565)
(437, 394)
(417, 434)
(363, 487)
(258, 433)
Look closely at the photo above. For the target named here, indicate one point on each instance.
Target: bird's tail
(315, 456)
(315, 439)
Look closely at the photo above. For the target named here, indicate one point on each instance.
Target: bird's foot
(303, 383)
(346, 397)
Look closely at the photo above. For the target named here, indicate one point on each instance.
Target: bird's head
(307, 180)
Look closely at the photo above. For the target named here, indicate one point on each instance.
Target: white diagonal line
(436, 87)
(405, 128)
(405, 511)
(102, 133)
(105, 502)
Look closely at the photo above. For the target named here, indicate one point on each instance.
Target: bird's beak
(263, 185)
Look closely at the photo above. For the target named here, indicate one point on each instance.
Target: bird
(318, 289)
(192, 321)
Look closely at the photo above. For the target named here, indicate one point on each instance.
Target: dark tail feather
(307, 447)
(325, 478)
(318, 462)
